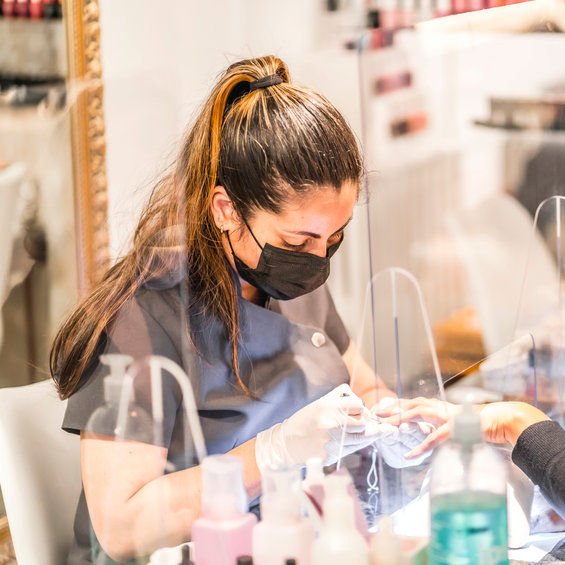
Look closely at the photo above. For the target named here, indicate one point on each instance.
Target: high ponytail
(259, 145)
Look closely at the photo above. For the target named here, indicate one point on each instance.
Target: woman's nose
(321, 248)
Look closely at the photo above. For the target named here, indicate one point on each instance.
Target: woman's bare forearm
(162, 512)
(363, 381)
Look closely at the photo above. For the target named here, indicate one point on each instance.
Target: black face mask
(285, 274)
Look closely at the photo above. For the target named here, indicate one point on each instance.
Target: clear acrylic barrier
(541, 312)
(433, 152)
(421, 102)
(396, 329)
(136, 417)
(147, 428)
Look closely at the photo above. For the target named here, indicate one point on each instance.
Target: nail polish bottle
(9, 8)
(49, 9)
(442, 8)
(36, 9)
(224, 531)
(282, 533)
(22, 8)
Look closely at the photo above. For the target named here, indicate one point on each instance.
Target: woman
(263, 188)
(538, 442)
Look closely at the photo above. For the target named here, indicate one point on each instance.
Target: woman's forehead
(319, 211)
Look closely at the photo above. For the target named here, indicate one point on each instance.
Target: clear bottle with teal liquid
(469, 524)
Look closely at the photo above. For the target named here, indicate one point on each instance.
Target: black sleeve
(540, 453)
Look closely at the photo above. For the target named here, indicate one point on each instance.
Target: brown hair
(262, 146)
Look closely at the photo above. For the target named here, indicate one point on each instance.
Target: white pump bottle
(339, 542)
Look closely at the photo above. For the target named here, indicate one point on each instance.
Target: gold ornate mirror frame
(6, 549)
(84, 74)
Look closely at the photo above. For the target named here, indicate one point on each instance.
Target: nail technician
(264, 187)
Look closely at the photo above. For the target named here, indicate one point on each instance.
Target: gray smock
(290, 355)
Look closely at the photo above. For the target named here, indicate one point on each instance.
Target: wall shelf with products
(31, 9)
(32, 62)
(32, 50)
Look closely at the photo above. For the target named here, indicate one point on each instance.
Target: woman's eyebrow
(317, 235)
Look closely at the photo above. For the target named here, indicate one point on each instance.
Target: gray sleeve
(134, 332)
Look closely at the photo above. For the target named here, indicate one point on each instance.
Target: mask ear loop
(229, 242)
(248, 228)
(252, 234)
(229, 238)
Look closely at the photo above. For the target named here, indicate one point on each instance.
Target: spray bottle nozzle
(223, 493)
(118, 364)
(467, 426)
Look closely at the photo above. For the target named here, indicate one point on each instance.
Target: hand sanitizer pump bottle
(339, 542)
(224, 531)
(121, 420)
(282, 533)
(469, 524)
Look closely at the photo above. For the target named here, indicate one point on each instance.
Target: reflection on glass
(38, 283)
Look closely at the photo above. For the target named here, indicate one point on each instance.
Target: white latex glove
(316, 431)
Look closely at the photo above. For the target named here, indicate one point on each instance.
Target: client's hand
(395, 442)
(417, 411)
(503, 422)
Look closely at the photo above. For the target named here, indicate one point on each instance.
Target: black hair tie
(265, 82)
(245, 87)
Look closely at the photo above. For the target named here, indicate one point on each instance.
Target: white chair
(11, 180)
(39, 473)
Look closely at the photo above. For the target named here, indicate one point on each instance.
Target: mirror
(54, 240)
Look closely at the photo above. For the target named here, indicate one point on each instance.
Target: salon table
(541, 548)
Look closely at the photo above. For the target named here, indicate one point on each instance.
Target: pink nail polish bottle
(224, 532)
(9, 8)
